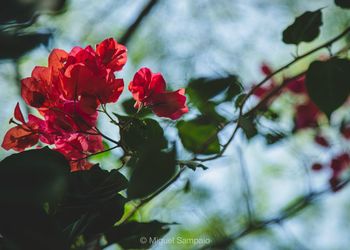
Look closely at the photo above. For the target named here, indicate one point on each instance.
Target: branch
(133, 27)
(250, 93)
(149, 198)
(284, 214)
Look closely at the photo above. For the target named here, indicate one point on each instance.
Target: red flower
(345, 130)
(77, 147)
(321, 140)
(297, 86)
(23, 135)
(148, 89)
(112, 54)
(263, 90)
(306, 116)
(317, 166)
(340, 163)
(85, 75)
(170, 104)
(144, 85)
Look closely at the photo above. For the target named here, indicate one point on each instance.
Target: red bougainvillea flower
(67, 93)
(321, 140)
(306, 116)
(260, 92)
(24, 135)
(169, 104)
(297, 86)
(316, 166)
(113, 55)
(338, 165)
(148, 90)
(345, 130)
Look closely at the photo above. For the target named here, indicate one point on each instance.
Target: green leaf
(203, 89)
(248, 124)
(136, 134)
(193, 165)
(304, 29)
(328, 83)
(151, 171)
(14, 46)
(92, 203)
(33, 176)
(209, 112)
(128, 107)
(137, 235)
(343, 3)
(274, 137)
(29, 227)
(199, 137)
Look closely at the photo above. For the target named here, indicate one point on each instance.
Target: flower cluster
(307, 116)
(68, 92)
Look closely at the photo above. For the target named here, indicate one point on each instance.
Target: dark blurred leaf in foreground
(304, 29)
(151, 171)
(137, 235)
(327, 83)
(199, 136)
(13, 46)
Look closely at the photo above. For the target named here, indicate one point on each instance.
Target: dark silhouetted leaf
(199, 137)
(14, 46)
(274, 137)
(137, 235)
(29, 227)
(150, 172)
(92, 203)
(203, 89)
(193, 165)
(23, 12)
(128, 107)
(304, 29)
(248, 124)
(327, 83)
(208, 110)
(33, 176)
(343, 3)
(137, 134)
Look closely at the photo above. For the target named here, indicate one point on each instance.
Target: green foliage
(128, 107)
(27, 180)
(14, 46)
(137, 134)
(202, 90)
(130, 235)
(33, 176)
(150, 172)
(304, 29)
(343, 3)
(199, 136)
(248, 125)
(92, 201)
(327, 83)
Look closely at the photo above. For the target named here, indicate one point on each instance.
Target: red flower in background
(148, 89)
(345, 130)
(306, 116)
(338, 165)
(261, 91)
(297, 86)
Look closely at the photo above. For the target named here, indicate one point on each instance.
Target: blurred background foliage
(186, 40)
